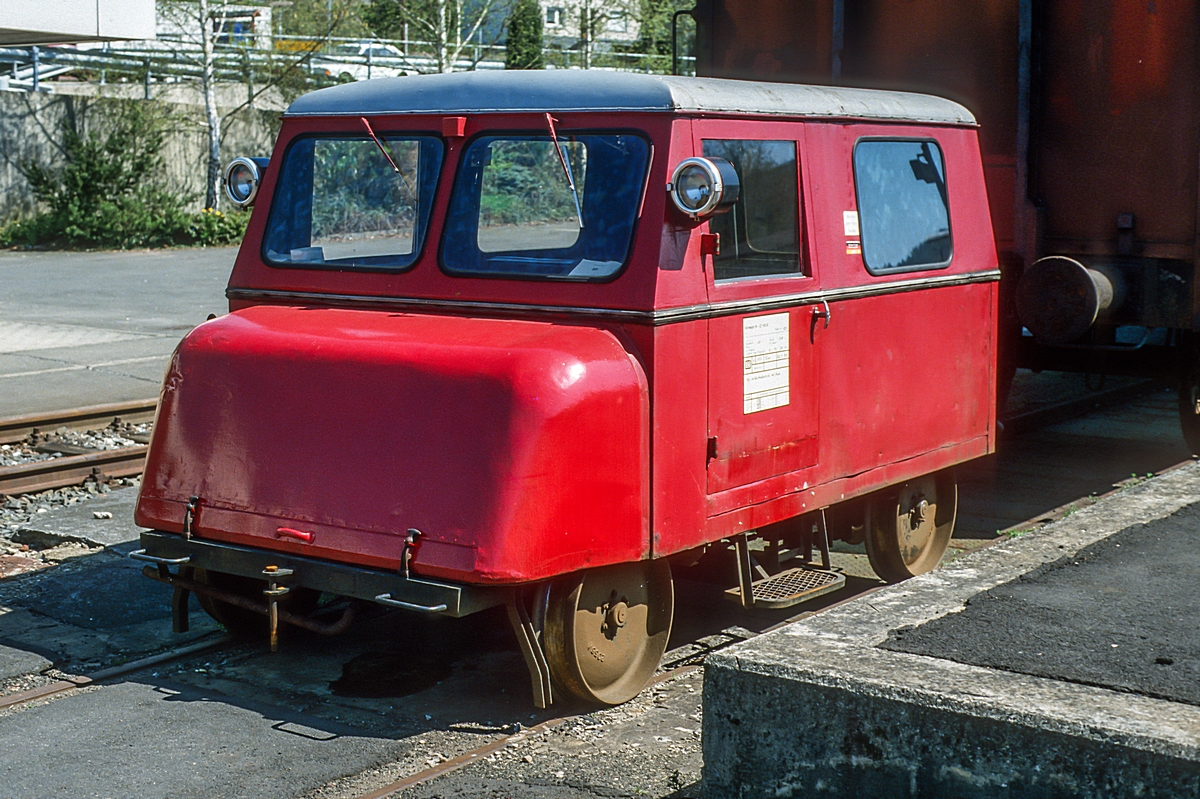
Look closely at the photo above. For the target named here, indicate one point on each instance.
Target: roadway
(91, 328)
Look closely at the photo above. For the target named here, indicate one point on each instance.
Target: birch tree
(591, 19)
(452, 28)
(202, 24)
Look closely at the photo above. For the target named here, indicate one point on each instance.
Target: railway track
(687, 664)
(73, 469)
(681, 666)
(507, 745)
(72, 683)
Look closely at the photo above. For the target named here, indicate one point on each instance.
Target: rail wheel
(1189, 412)
(607, 628)
(911, 526)
(1189, 397)
(242, 623)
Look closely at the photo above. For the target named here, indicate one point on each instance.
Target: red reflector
(454, 127)
(287, 532)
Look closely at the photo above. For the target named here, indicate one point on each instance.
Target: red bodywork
(528, 428)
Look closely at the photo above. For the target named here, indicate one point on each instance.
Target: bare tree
(451, 27)
(203, 25)
(593, 18)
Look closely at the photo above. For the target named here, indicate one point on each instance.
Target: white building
(249, 26)
(614, 21)
(64, 21)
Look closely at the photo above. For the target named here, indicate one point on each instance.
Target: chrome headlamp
(702, 187)
(242, 179)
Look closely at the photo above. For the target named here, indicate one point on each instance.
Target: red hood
(519, 449)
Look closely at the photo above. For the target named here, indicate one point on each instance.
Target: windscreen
(353, 202)
(554, 209)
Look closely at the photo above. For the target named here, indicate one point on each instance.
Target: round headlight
(702, 187)
(241, 181)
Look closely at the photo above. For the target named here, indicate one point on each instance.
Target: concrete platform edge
(816, 709)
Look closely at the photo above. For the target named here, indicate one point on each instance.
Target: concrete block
(819, 709)
(78, 523)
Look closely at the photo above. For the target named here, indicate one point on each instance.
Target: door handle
(822, 313)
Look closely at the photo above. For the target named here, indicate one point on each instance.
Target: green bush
(211, 227)
(110, 192)
(524, 183)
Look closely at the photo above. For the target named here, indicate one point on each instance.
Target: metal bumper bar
(373, 585)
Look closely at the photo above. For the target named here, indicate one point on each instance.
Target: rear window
(340, 203)
(513, 212)
(904, 212)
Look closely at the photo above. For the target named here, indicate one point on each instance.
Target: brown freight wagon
(1089, 115)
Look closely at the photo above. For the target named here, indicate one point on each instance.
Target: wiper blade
(562, 159)
(379, 143)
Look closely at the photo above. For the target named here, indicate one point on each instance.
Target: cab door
(763, 344)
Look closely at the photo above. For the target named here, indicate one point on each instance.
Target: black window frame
(876, 271)
(417, 254)
(804, 268)
(563, 133)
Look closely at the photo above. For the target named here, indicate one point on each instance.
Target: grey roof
(595, 90)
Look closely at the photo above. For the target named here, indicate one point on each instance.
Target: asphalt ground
(1120, 614)
(820, 709)
(91, 328)
(399, 694)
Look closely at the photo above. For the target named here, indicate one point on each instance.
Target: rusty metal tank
(1090, 132)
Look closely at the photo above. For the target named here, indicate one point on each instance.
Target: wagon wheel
(242, 623)
(1189, 400)
(607, 628)
(911, 526)
(1189, 411)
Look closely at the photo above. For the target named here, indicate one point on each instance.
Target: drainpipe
(839, 38)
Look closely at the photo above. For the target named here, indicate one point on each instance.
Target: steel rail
(466, 758)
(16, 428)
(684, 666)
(473, 755)
(71, 683)
(70, 470)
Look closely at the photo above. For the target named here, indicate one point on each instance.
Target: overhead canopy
(66, 21)
(596, 90)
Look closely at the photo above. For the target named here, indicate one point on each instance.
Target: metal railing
(322, 61)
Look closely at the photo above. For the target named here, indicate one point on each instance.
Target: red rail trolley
(531, 338)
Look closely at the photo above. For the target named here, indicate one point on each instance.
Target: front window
(341, 203)
(524, 206)
(902, 204)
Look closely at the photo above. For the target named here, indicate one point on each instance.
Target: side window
(760, 235)
(904, 213)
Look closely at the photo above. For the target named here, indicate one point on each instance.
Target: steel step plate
(791, 587)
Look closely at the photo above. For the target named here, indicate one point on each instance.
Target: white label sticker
(765, 362)
(850, 223)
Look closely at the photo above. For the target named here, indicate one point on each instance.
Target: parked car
(362, 61)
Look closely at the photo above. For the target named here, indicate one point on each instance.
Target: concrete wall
(30, 129)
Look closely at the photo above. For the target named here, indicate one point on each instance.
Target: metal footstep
(790, 587)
